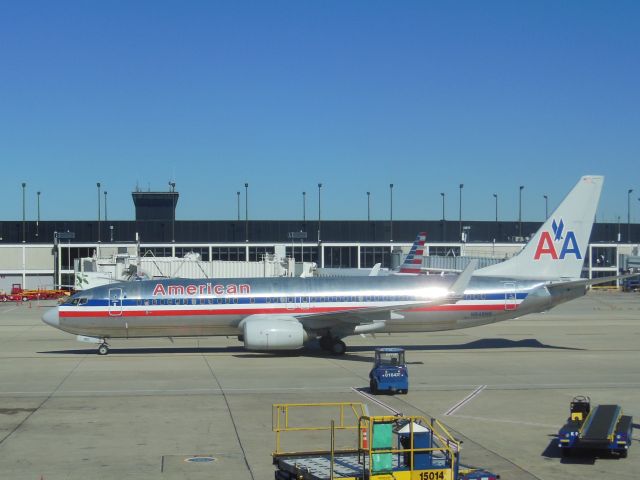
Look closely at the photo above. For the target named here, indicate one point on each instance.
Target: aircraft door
(510, 302)
(115, 302)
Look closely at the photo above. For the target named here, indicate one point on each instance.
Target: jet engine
(273, 332)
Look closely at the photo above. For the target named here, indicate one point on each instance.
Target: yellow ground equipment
(362, 446)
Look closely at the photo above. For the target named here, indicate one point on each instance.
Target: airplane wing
(368, 315)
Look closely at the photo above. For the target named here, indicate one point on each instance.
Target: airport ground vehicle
(389, 372)
(381, 447)
(19, 294)
(631, 284)
(591, 430)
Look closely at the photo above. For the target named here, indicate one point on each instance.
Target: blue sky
(286, 94)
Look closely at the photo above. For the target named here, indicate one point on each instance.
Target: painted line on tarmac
(8, 310)
(464, 401)
(166, 391)
(373, 399)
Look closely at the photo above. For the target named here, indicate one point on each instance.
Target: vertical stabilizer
(559, 247)
(413, 262)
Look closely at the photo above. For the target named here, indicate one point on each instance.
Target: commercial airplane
(287, 313)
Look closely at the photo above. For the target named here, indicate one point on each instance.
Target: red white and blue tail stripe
(413, 263)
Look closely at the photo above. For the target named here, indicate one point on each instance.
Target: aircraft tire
(325, 343)
(103, 349)
(338, 347)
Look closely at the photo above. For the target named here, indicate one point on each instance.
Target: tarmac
(147, 407)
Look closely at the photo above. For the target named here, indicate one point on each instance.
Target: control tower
(155, 205)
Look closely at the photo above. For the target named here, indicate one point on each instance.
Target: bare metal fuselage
(182, 307)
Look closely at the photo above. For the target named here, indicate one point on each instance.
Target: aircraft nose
(50, 317)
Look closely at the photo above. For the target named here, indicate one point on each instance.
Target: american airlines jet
(287, 313)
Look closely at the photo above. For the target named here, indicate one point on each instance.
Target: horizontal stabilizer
(587, 282)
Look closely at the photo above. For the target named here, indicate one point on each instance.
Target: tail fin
(413, 262)
(558, 248)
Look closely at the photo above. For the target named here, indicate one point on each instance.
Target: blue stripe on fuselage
(272, 299)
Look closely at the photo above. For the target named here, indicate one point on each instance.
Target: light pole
(520, 212)
(319, 216)
(391, 212)
(460, 211)
(368, 206)
(495, 195)
(38, 220)
(173, 216)
(24, 214)
(444, 224)
(98, 185)
(238, 194)
(546, 206)
(629, 215)
(106, 219)
(246, 212)
(304, 208)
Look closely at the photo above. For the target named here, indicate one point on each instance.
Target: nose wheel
(103, 349)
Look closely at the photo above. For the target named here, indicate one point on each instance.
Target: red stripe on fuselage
(153, 312)
(157, 312)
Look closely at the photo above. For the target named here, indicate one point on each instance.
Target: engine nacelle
(273, 332)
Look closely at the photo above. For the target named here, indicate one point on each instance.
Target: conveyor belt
(318, 467)
(600, 424)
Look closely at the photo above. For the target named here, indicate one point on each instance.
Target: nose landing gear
(103, 349)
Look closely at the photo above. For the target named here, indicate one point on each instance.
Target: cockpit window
(76, 301)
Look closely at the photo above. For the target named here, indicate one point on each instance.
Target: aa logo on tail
(547, 245)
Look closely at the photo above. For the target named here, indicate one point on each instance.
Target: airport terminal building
(42, 254)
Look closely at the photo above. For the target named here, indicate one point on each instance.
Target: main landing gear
(103, 349)
(333, 345)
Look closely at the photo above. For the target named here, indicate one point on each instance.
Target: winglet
(461, 283)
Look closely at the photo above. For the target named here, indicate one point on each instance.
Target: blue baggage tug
(602, 428)
(389, 372)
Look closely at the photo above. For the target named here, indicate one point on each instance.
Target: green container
(381, 462)
(382, 436)
(382, 440)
